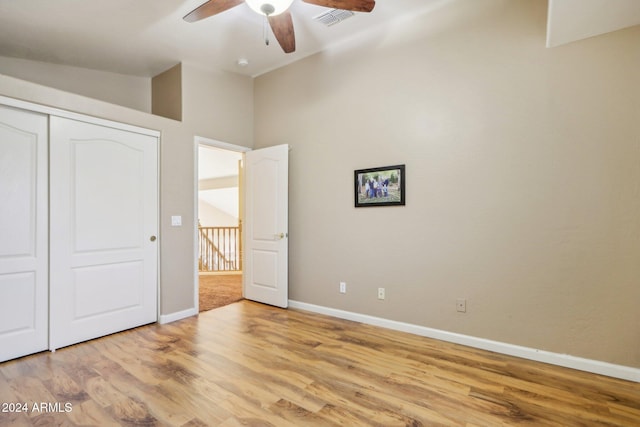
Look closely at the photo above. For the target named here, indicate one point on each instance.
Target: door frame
(197, 142)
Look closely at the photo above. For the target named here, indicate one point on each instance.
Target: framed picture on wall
(382, 186)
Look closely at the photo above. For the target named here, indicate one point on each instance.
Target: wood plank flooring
(248, 364)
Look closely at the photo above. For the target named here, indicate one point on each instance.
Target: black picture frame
(382, 186)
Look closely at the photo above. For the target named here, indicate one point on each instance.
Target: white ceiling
(571, 20)
(216, 163)
(146, 37)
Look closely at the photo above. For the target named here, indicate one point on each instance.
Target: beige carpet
(219, 290)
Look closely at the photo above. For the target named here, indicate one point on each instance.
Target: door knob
(152, 238)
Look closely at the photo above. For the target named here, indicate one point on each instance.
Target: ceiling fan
(276, 12)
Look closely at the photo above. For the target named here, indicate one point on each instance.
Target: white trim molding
(565, 360)
(197, 141)
(178, 315)
(52, 111)
(220, 144)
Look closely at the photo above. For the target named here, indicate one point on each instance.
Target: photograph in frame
(381, 186)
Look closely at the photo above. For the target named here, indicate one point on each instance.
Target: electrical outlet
(380, 293)
(343, 287)
(461, 305)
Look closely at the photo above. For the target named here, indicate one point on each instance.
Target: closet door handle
(152, 238)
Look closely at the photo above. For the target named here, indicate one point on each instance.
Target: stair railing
(219, 249)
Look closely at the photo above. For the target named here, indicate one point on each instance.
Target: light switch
(176, 221)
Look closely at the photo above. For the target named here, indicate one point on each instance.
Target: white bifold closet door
(24, 312)
(104, 222)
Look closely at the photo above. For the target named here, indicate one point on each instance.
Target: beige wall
(228, 99)
(129, 91)
(166, 93)
(211, 216)
(177, 182)
(523, 178)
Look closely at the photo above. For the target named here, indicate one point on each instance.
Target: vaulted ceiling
(145, 37)
(571, 20)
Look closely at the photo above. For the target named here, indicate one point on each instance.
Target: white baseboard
(565, 360)
(178, 315)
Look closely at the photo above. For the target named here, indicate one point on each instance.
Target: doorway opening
(219, 224)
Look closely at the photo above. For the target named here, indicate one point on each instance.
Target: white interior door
(266, 188)
(104, 222)
(24, 312)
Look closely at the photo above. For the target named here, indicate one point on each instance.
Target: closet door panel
(104, 212)
(24, 309)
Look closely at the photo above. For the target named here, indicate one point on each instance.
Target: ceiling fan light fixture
(269, 7)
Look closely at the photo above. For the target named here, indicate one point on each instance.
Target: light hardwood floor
(250, 364)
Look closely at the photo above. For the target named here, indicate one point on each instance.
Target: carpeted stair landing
(219, 290)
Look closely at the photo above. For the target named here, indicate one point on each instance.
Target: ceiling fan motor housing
(281, 23)
(269, 7)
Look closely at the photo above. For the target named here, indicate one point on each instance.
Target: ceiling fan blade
(282, 26)
(210, 8)
(354, 5)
